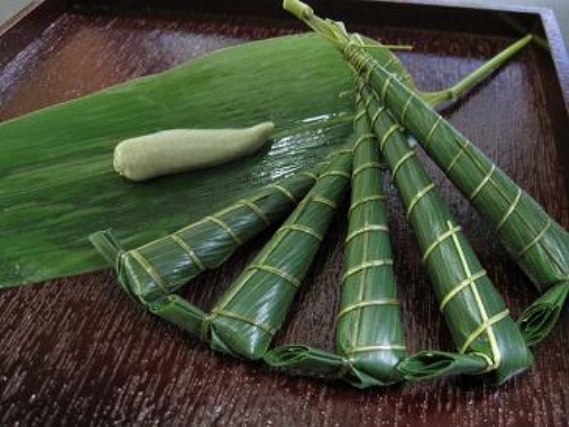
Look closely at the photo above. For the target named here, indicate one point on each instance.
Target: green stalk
(487, 338)
(369, 332)
(466, 84)
(248, 315)
(536, 242)
(336, 34)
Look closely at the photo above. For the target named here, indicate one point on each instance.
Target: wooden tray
(78, 352)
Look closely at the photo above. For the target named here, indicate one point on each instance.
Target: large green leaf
(56, 180)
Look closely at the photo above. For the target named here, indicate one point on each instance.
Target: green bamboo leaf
(306, 360)
(536, 242)
(539, 319)
(428, 364)
(57, 182)
(179, 312)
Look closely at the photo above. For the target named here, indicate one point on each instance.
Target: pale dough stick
(179, 150)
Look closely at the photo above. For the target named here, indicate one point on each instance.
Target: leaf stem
(466, 84)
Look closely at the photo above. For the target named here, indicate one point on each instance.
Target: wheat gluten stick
(179, 150)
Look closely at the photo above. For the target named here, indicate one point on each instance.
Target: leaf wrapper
(538, 320)
(369, 333)
(536, 242)
(432, 364)
(475, 313)
(305, 360)
(179, 312)
(245, 319)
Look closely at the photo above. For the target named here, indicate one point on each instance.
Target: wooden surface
(77, 351)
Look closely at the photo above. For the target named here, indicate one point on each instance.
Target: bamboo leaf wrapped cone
(152, 272)
(369, 332)
(243, 322)
(538, 244)
(488, 340)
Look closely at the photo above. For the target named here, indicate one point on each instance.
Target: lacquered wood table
(77, 351)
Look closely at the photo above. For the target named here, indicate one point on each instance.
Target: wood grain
(77, 351)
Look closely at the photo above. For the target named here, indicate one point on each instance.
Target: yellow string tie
(482, 183)
(385, 87)
(534, 241)
(257, 210)
(463, 148)
(324, 201)
(191, 253)
(366, 229)
(400, 163)
(460, 287)
(366, 304)
(363, 138)
(365, 166)
(438, 241)
(226, 227)
(277, 272)
(120, 259)
(432, 132)
(287, 193)
(386, 64)
(388, 135)
(406, 106)
(491, 364)
(366, 266)
(365, 200)
(480, 329)
(362, 113)
(310, 175)
(207, 320)
(145, 264)
(302, 229)
(367, 102)
(236, 316)
(418, 198)
(510, 210)
(376, 115)
(367, 75)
